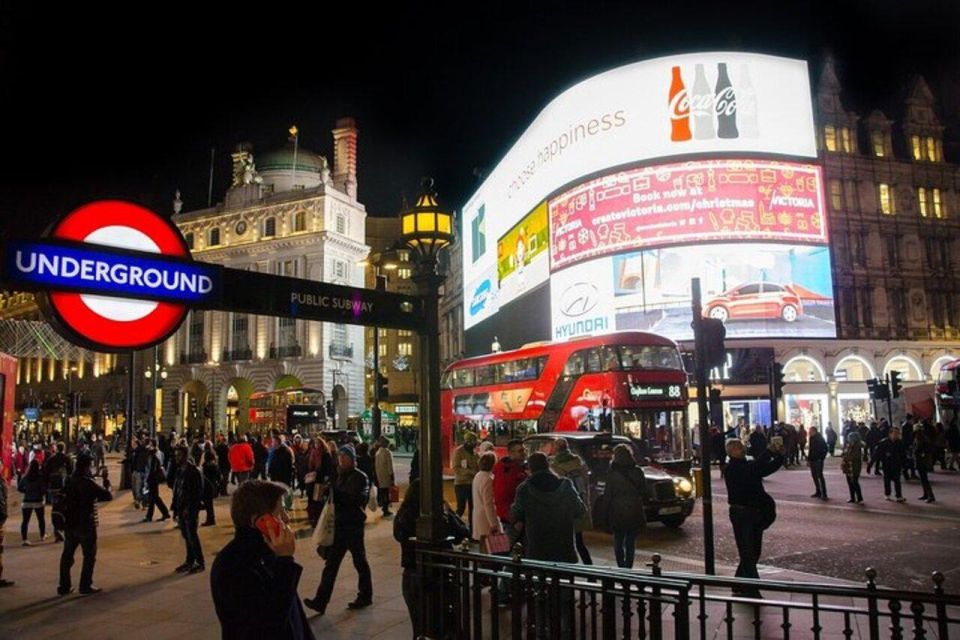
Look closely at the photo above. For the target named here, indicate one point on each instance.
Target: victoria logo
(579, 299)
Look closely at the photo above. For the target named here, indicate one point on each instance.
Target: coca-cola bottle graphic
(726, 104)
(679, 109)
(701, 104)
(747, 105)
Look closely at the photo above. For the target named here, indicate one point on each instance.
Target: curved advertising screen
(633, 182)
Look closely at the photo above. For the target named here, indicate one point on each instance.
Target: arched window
(803, 369)
(214, 237)
(270, 227)
(300, 221)
(853, 369)
(908, 369)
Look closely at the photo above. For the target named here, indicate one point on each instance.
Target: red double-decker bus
(630, 383)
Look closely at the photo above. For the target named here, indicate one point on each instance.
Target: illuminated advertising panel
(634, 164)
(684, 203)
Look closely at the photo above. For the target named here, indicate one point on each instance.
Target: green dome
(282, 160)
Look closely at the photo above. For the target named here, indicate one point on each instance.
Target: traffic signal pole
(701, 379)
(889, 400)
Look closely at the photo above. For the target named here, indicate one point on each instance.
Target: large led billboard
(698, 157)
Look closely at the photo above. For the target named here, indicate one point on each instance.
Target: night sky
(127, 101)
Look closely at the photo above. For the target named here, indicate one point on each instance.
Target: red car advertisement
(687, 203)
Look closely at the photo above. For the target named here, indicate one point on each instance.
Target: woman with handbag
(626, 489)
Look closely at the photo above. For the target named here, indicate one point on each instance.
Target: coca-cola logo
(679, 105)
(726, 102)
(702, 104)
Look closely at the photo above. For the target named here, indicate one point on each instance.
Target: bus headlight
(683, 486)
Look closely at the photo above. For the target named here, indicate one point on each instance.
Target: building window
(339, 269)
(239, 342)
(270, 227)
(876, 143)
(383, 334)
(847, 140)
(939, 211)
(286, 334)
(850, 190)
(287, 268)
(850, 307)
(931, 250)
(341, 223)
(886, 199)
(404, 333)
(932, 149)
(893, 251)
(300, 221)
(916, 149)
(403, 274)
(936, 307)
(189, 240)
(945, 253)
(339, 335)
(195, 339)
(383, 350)
(405, 348)
(214, 237)
(922, 202)
(836, 195)
(866, 306)
(830, 137)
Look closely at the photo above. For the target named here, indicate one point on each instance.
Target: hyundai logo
(579, 299)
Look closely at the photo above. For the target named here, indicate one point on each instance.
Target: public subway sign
(114, 276)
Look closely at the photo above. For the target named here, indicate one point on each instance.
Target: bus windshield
(634, 357)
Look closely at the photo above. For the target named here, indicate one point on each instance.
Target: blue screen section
(54, 266)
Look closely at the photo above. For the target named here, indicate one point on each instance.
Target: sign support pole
(705, 453)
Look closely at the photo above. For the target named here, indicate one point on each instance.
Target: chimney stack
(345, 156)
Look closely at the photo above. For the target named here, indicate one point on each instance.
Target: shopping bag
(495, 543)
(323, 532)
(372, 502)
(394, 494)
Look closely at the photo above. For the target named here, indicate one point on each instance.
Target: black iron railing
(237, 354)
(286, 351)
(473, 595)
(344, 351)
(193, 357)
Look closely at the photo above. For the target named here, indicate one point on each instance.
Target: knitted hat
(349, 451)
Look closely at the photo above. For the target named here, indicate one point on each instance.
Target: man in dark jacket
(758, 441)
(351, 490)
(818, 453)
(80, 525)
(546, 508)
(187, 499)
(752, 510)
(282, 463)
(223, 460)
(155, 474)
(254, 578)
(891, 454)
(259, 458)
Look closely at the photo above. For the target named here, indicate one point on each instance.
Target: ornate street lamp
(426, 229)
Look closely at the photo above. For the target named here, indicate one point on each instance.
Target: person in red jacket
(241, 459)
(508, 473)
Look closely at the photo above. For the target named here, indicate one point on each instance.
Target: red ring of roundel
(80, 318)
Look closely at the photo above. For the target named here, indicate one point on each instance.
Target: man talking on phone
(254, 578)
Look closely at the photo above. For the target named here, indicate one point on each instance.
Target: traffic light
(895, 384)
(877, 389)
(712, 333)
(329, 408)
(382, 389)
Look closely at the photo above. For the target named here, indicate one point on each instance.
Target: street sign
(114, 276)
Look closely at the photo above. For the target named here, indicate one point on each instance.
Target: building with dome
(287, 212)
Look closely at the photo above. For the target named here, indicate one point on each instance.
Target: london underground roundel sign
(114, 276)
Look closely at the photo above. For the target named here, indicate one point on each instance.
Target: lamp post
(426, 229)
(155, 374)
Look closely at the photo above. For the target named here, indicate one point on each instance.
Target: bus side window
(610, 360)
(593, 361)
(574, 366)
